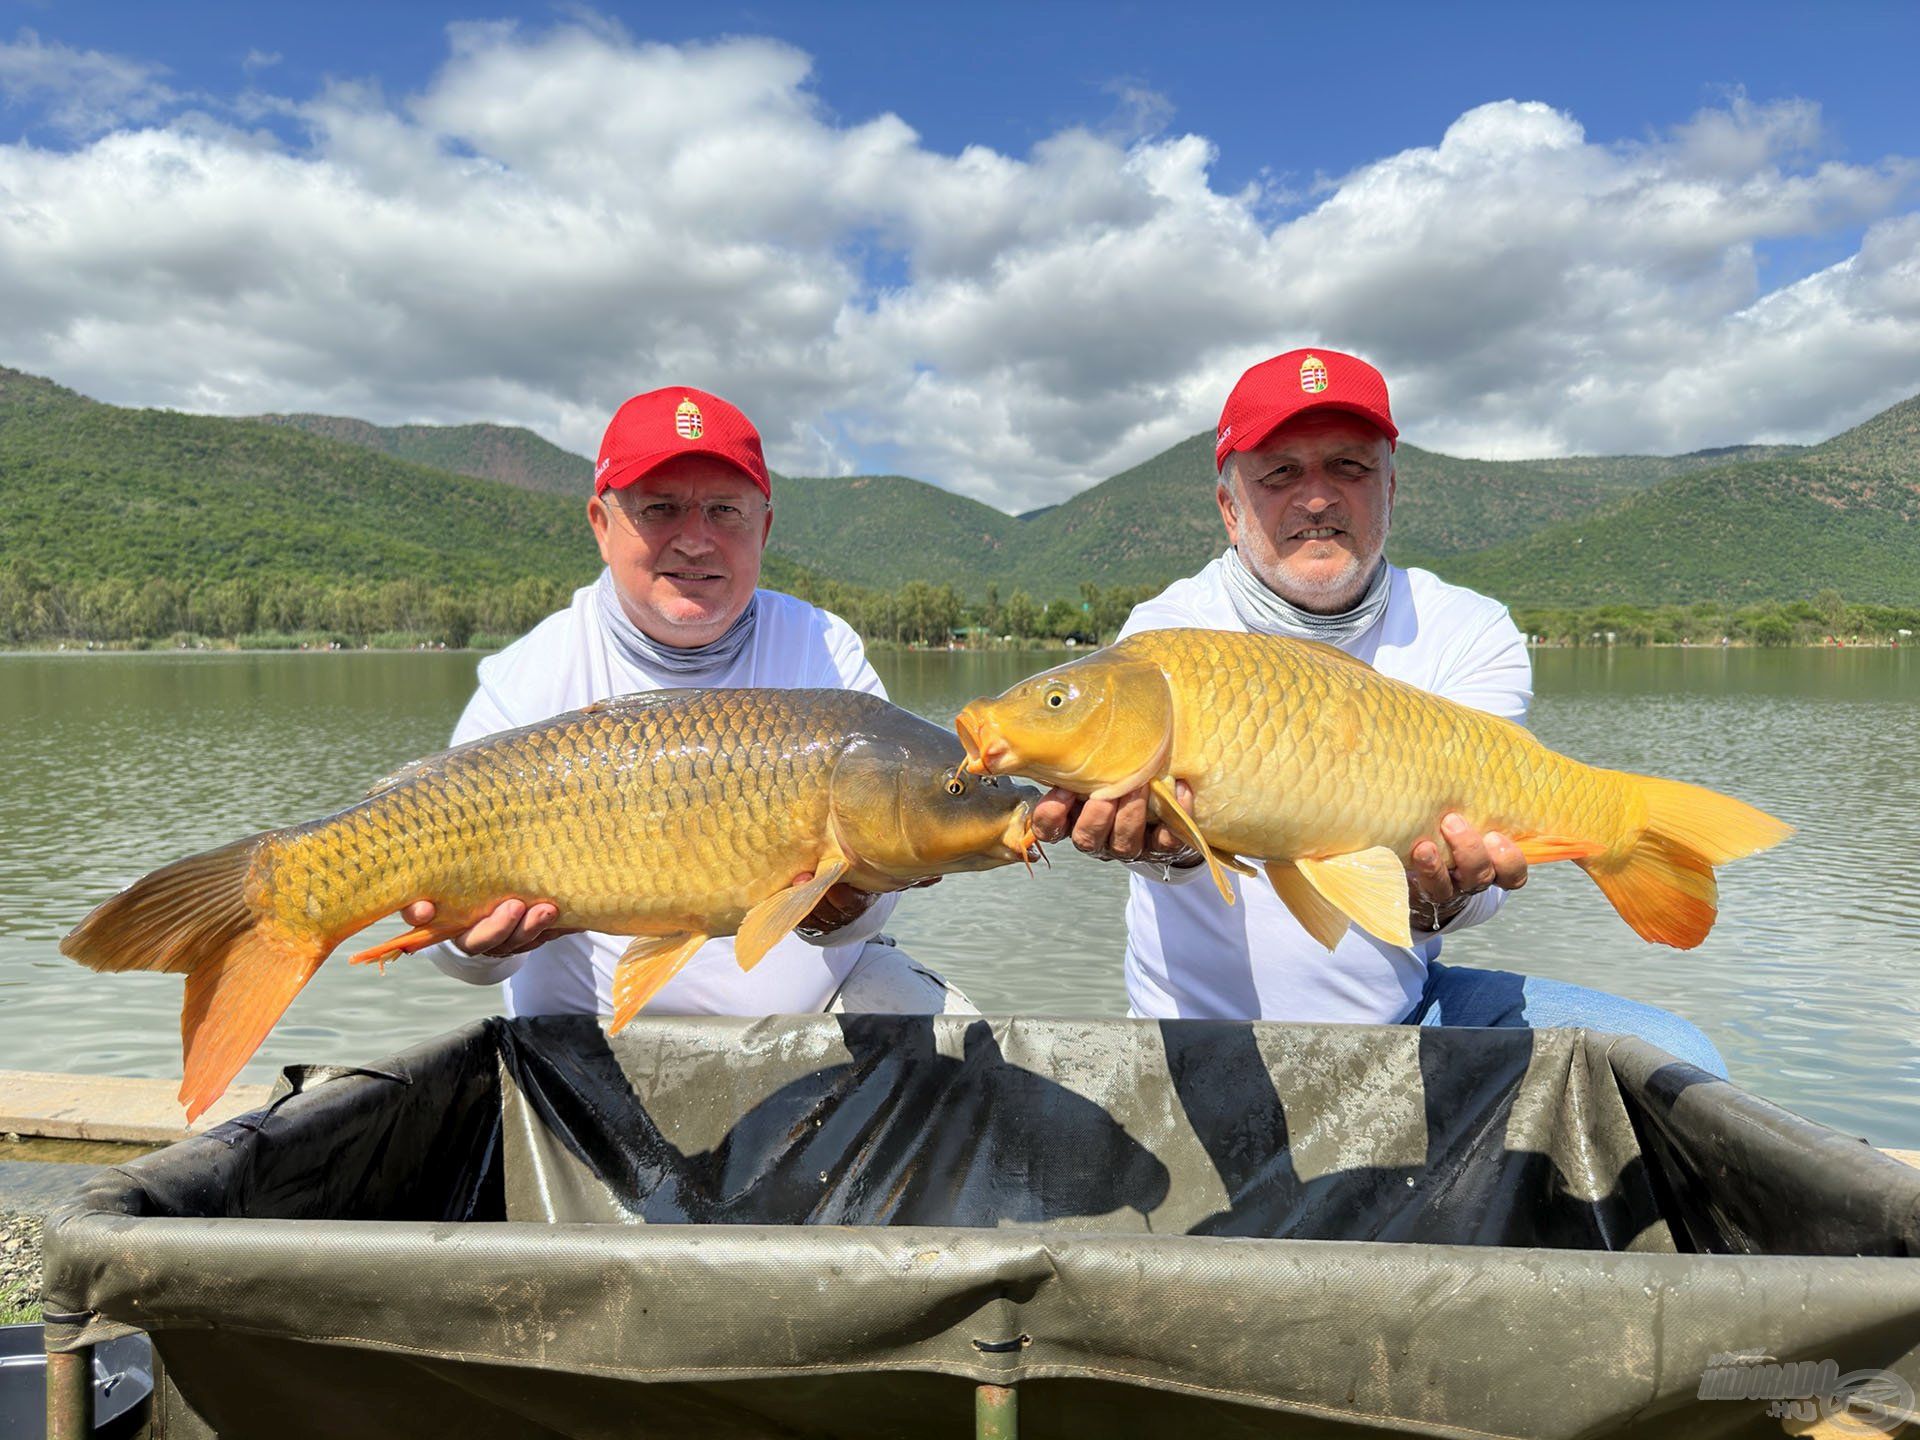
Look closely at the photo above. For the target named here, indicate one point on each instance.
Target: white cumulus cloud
(565, 216)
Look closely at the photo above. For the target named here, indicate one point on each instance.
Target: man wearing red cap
(681, 510)
(1305, 456)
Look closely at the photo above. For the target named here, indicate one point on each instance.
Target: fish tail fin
(1717, 827)
(195, 916)
(1663, 885)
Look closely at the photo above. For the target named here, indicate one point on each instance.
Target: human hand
(1437, 891)
(512, 927)
(1116, 829)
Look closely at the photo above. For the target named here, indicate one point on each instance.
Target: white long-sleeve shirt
(567, 661)
(1189, 955)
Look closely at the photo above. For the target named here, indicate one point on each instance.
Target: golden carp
(671, 816)
(1307, 759)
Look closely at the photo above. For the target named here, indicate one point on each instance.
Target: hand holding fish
(1480, 861)
(511, 928)
(1116, 829)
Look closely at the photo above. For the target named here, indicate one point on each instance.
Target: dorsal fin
(636, 700)
(405, 773)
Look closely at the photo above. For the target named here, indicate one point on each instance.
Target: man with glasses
(682, 506)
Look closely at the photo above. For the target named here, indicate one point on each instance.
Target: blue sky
(1757, 146)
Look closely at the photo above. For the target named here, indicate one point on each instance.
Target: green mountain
(1844, 515)
(508, 453)
(1147, 525)
(884, 530)
(91, 491)
(1157, 521)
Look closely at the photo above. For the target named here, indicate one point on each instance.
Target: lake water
(1810, 983)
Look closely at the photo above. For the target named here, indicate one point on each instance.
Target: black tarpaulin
(831, 1225)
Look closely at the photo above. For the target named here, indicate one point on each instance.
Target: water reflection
(1810, 984)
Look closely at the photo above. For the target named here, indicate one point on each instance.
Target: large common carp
(1309, 760)
(672, 816)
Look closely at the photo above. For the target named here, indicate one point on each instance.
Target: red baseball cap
(662, 425)
(1276, 390)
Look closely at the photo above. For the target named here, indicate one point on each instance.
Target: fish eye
(1056, 697)
(956, 786)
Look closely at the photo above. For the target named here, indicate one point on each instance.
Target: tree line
(1828, 616)
(272, 611)
(36, 609)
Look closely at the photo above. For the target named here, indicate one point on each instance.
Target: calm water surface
(1810, 983)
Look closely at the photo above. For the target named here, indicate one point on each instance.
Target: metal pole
(70, 1394)
(996, 1413)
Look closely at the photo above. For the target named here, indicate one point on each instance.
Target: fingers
(839, 907)
(418, 913)
(1509, 865)
(1478, 861)
(1429, 873)
(513, 926)
(1472, 866)
(1129, 826)
(1093, 827)
(1054, 814)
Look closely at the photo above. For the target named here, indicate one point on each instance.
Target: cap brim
(1255, 438)
(638, 468)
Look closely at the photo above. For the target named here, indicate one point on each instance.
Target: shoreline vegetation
(43, 615)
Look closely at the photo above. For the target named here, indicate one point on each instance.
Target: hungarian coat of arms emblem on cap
(687, 424)
(1313, 375)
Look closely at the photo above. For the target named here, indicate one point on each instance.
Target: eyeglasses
(657, 517)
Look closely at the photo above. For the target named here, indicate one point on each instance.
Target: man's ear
(1223, 497)
(600, 519)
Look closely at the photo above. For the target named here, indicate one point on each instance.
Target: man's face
(1313, 502)
(684, 545)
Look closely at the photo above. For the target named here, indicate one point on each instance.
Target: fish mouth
(985, 748)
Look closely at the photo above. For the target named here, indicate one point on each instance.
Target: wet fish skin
(672, 816)
(1307, 759)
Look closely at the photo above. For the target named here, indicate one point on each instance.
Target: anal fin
(1317, 915)
(1174, 815)
(1542, 849)
(418, 938)
(1368, 886)
(646, 965)
(775, 917)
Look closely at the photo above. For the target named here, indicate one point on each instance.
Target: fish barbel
(1309, 760)
(672, 816)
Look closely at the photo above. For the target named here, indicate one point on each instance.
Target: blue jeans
(1462, 995)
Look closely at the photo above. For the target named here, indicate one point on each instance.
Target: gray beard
(1265, 613)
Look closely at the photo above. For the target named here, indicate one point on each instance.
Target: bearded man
(1305, 454)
